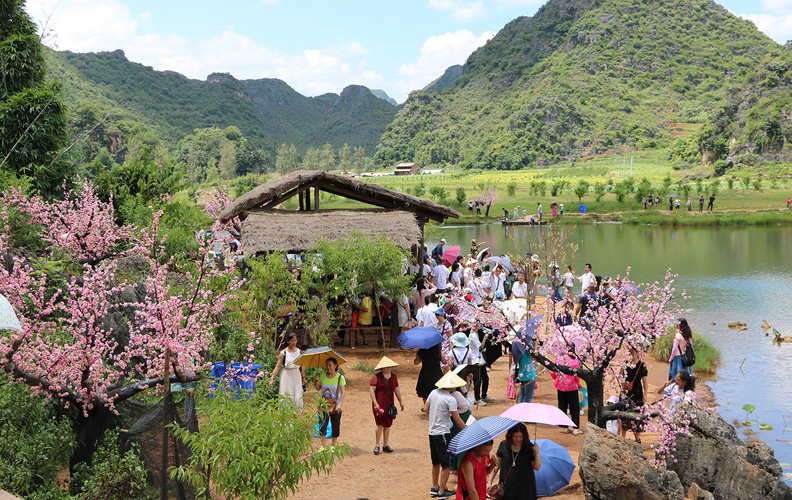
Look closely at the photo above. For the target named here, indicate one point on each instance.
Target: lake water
(731, 274)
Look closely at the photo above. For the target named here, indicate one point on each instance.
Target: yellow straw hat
(450, 381)
(385, 362)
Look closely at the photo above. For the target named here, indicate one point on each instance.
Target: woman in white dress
(293, 377)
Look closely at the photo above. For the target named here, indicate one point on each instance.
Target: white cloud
(436, 54)
(779, 28)
(510, 4)
(777, 6)
(461, 11)
(103, 25)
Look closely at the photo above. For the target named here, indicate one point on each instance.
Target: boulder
(696, 493)
(612, 467)
(715, 458)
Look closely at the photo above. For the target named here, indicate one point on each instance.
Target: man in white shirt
(440, 274)
(425, 315)
(497, 279)
(477, 288)
(520, 289)
(442, 409)
(586, 279)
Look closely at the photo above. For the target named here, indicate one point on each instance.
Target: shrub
(112, 475)
(461, 196)
(511, 189)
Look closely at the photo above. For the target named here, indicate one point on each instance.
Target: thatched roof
(272, 230)
(277, 190)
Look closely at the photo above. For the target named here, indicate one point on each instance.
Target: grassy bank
(707, 356)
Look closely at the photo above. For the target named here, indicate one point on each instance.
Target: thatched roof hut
(276, 191)
(401, 217)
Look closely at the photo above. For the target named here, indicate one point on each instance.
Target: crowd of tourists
(453, 380)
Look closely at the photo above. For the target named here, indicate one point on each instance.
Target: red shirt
(479, 477)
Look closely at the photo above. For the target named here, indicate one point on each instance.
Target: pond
(731, 274)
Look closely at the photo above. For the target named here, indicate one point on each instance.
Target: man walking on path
(711, 202)
(701, 203)
(442, 409)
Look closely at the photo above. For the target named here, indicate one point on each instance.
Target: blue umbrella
(527, 335)
(557, 468)
(422, 337)
(479, 432)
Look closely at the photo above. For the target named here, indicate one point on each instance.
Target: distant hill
(585, 77)
(451, 75)
(381, 94)
(267, 111)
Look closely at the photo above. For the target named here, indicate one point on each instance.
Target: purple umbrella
(527, 335)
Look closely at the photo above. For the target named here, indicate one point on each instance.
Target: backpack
(689, 358)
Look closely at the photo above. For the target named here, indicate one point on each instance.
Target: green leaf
(765, 427)
(747, 423)
(748, 408)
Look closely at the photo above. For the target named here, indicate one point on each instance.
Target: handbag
(689, 358)
(510, 392)
(392, 410)
(628, 386)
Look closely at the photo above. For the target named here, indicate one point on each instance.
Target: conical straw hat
(385, 362)
(450, 381)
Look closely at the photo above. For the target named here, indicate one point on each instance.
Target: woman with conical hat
(383, 386)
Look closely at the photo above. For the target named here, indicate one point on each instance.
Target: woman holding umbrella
(516, 460)
(332, 387)
(382, 388)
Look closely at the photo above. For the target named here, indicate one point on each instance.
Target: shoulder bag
(496, 491)
(689, 358)
(628, 386)
(392, 410)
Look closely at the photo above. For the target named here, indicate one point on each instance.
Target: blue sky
(315, 46)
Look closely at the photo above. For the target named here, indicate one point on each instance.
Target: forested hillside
(585, 77)
(267, 111)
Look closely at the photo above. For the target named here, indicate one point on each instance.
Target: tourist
(539, 210)
(635, 388)
(365, 315)
(556, 280)
(442, 408)
(427, 266)
(535, 273)
(478, 208)
(586, 279)
(497, 280)
(682, 338)
(473, 471)
(520, 289)
(470, 207)
(505, 214)
(516, 460)
(383, 386)
(477, 287)
(657, 201)
(423, 289)
(403, 311)
(789, 203)
(464, 397)
(561, 208)
(587, 306)
(689, 204)
(567, 387)
(460, 352)
(515, 212)
(671, 203)
(332, 387)
(474, 248)
(526, 376)
(447, 331)
(566, 316)
(426, 315)
(524, 212)
(554, 207)
(711, 202)
(437, 252)
(701, 203)
(431, 370)
(455, 282)
(485, 277)
(644, 202)
(679, 390)
(293, 377)
(440, 276)
(676, 203)
(569, 281)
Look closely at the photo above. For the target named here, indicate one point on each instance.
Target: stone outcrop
(613, 468)
(696, 493)
(717, 460)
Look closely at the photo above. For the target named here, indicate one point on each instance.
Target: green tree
(286, 161)
(461, 196)
(327, 158)
(541, 188)
(511, 189)
(746, 181)
(345, 158)
(312, 159)
(620, 192)
(685, 188)
(581, 189)
(558, 186)
(730, 183)
(359, 160)
(255, 448)
(667, 181)
(33, 125)
(757, 184)
(228, 160)
(699, 185)
(599, 190)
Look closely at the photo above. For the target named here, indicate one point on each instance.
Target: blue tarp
(582, 209)
(242, 382)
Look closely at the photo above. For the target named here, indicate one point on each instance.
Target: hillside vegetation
(587, 77)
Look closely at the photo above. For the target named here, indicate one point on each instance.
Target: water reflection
(731, 274)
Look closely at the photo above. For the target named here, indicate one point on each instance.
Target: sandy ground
(406, 473)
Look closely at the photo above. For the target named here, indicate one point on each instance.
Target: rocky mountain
(267, 111)
(381, 94)
(585, 77)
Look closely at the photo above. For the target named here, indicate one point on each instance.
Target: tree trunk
(486, 214)
(596, 389)
(89, 431)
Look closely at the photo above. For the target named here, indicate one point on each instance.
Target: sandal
(577, 432)
(376, 450)
(387, 449)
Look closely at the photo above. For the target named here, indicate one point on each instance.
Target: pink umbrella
(450, 255)
(537, 413)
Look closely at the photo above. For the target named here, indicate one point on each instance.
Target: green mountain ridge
(267, 111)
(587, 77)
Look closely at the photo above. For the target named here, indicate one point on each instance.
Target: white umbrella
(481, 253)
(8, 318)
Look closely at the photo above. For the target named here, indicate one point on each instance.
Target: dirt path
(406, 472)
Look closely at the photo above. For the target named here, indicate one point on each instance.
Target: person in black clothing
(491, 351)
(635, 389)
(701, 203)
(711, 202)
(430, 373)
(517, 460)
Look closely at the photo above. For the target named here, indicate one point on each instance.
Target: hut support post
(316, 198)
(302, 206)
(308, 199)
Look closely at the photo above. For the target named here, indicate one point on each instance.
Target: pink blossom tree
(489, 196)
(68, 350)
